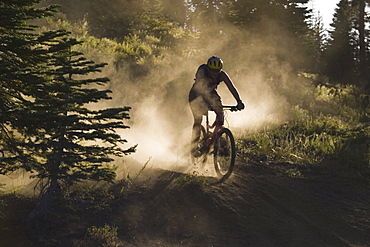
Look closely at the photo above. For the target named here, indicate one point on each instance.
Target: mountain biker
(203, 95)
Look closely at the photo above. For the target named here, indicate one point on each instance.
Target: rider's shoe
(195, 152)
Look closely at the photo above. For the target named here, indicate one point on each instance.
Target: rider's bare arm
(230, 85)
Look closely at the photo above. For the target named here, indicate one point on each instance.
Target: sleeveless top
(204, 85)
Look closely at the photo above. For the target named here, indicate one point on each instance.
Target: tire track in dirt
(285, 201)
(260, 205)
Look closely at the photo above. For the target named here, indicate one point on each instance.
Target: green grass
(193, 179)
(337, 136)
(105, 236)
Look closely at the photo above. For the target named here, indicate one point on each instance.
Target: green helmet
(215, 63)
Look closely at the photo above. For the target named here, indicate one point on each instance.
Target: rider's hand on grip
(240, 106)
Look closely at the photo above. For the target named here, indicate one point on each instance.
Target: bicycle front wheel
(224, 154)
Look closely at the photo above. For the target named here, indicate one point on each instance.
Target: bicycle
(217, 140)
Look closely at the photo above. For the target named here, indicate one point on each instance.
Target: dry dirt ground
(260, 205)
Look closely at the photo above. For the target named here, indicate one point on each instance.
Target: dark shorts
(201, 104)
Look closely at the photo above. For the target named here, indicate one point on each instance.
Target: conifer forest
(95, 124)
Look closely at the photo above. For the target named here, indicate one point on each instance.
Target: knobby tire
(224, 154)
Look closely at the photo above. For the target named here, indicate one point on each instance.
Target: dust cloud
(160, 119)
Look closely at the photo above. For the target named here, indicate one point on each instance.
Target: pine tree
(359, 7)
(341, 51)
(69, 141)
(207, 16)
(316, 42)
(279, 24)
(22, 53)
(48, 125)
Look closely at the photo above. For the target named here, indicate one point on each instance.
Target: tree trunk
(43, 207)
(363, 61)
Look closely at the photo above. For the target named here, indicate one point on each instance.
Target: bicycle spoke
(224, 154)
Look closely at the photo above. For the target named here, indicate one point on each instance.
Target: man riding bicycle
(203, 95)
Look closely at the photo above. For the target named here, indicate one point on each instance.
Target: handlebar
(231, 108)
(227, 107)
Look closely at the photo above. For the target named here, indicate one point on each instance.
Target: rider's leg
(198, 108)
(219, 116)
(216, 103)
(196, 129)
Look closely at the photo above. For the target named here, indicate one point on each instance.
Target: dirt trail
(260, 205)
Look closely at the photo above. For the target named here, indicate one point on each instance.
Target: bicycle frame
(219, 138)
(209, 135)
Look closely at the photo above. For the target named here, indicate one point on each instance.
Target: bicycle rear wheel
(224, 154)
(199, 155)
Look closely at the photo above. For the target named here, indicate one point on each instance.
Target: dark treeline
(288, 26)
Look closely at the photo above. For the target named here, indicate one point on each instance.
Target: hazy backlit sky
(326, 9)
